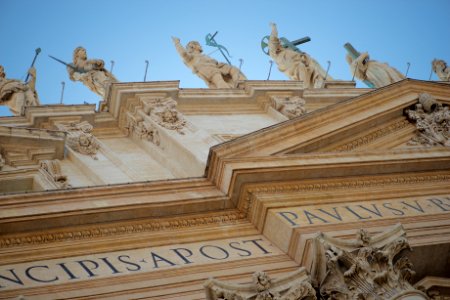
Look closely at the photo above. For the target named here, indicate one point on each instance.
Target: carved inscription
(96, 266)
(362, 211)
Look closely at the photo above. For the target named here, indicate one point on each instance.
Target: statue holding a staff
(17, 94)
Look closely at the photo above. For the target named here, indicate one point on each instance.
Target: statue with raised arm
(296, 65)
(91, 72)
(17, 94)
(376, 74)
(215, 74)
(441, 69)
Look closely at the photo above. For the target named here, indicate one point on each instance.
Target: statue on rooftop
(374, 73)
(17, 94)
(441, 69)
(215, 74)
(91, 72)
(296, 65)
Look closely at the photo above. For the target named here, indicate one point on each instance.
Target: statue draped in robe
(17, 94)
(441, 69)
(91, 72)
(379, 74)
(215, 74)
(296, 65)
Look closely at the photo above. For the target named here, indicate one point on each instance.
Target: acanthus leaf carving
(432, 122)
(365, 268)
(295, 286)
(291, 107)
(80, 138)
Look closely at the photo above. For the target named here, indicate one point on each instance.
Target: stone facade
(253, 192)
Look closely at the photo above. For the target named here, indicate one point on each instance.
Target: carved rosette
(163, 111)
(52, 168)
(295, 286)
(291, 107)
(80, 138)
(363, 268)
(432, 122)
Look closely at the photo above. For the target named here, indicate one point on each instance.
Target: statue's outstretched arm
(274, 30)
(180, 48)
(274, 41)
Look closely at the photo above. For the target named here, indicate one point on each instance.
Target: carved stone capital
(291, 107)
(367, 267)
(52, 168)
(432, 121)
(80, 138)
(295, 286)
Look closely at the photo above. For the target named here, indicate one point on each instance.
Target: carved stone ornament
(52, 168)
(163, 111)
(80, 138)
(295, 286)
(291, 107)
(365, 267)
(2, 161)
(143, 130)
(436, 288)
(432, 122)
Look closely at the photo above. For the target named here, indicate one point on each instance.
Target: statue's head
(2, 72)
(438, 65)
(79, 53)
(194, 46)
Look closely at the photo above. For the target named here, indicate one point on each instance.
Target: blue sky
(130, 32)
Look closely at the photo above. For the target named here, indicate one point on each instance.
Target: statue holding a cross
(297, 65)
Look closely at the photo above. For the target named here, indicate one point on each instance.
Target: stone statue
(17, 94)
(376, 73)
(91, 72)
(215, 74)
(296, 65)
(441, 69)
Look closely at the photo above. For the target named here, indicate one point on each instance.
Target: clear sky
(132, 31)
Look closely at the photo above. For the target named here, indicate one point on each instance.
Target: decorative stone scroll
(295, 286)
(80, 138)
(142, 130)
(291, 107)
(365, 267)
(52, 168)
(164, 112)
(432, 122)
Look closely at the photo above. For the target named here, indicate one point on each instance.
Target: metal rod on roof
(407, 69)
(62, 92)
(328, 69)
(112, 66)
(146, 67)
(431, 73)
(270, 68)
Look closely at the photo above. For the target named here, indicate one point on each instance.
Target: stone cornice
(50, 209)
(290, 135)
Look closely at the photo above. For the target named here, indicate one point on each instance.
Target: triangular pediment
(361, 131)
(372, 121)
